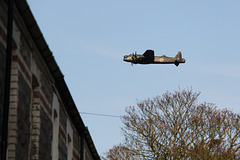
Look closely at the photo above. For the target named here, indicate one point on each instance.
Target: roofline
(61, 85)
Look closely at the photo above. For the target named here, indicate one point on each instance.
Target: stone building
(44, 123)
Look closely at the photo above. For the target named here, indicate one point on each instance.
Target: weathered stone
(45, 141)
(12, 125)
(36, 107)
(13, 118)
(23, 124)
(35, 120)
(35, 125)
(25, 50)
(63, 118)
(62, 149)
(46, 87)
(76, 142)
(36, 113)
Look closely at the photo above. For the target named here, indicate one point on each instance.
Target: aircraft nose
(125, 57)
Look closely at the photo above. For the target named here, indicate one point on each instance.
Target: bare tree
(118, 152)
(175, 126)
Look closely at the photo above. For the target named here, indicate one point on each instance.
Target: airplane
(149, 58)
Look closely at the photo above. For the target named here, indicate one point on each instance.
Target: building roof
(61, 85)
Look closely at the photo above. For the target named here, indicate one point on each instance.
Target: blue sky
(90, 38)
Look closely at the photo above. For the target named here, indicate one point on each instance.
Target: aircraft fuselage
(149, 58)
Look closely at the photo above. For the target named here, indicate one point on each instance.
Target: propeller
(134, 57)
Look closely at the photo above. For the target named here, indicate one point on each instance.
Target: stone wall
(45, 140)
(62, 149)
(40, 126)
(23, 118)
(76, 145)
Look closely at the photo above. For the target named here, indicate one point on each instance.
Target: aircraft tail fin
(179, 56)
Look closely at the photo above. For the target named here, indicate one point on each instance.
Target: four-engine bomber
(149, 58)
